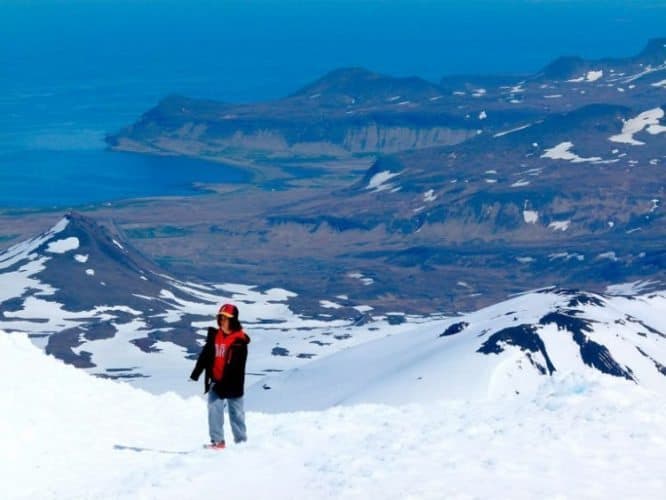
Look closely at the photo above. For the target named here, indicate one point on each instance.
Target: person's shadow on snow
(140, 449)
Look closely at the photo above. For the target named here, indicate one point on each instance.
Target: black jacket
(232, 384)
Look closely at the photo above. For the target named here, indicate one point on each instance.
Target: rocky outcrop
(166, 132)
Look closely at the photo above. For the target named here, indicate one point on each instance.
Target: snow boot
(215, 446)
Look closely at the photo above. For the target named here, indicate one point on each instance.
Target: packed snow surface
(66, 434)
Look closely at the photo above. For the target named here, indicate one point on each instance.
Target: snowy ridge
(133, 322)
(556, 442)
(497, 352)
(98, 304)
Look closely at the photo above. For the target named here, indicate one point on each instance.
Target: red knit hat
(228, 311)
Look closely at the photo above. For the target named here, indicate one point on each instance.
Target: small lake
(64, 179)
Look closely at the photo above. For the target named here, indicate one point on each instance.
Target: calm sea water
(73, 70)
(59, 179)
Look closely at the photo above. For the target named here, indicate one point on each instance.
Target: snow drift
(66, 434)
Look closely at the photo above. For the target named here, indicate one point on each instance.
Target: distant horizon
(76, 70)
(259, 54)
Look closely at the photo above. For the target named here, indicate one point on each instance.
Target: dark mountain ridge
(352, 111)
(102, 282)
(654, 54)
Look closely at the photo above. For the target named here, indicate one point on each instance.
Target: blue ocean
(72, 71)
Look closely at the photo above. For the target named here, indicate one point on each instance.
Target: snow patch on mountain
(360, 276)
(63, 246)
(525, 260)
(506, 132)
(429, 196)
(378, 182)
(648, 70)
(81, 258)
(562, 225)
(566, 256)
(327, 304)
(655, 204)
(530, 216)
(608, 255)
(14, 284)
(17, 252)
(563, 152)
(647, 120)
(630, 289)
(590, 76)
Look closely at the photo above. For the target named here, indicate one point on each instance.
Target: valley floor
(68, 435)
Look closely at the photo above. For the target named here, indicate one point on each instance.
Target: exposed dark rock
(100, 330)
(647, 327)
(523, 336)
(454, 328)
(395, 319)
(592, 353)
(61, 345)
(146, 344)
(661, 368)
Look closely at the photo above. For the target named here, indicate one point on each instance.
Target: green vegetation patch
(158, 232)
(167, 260)
(7, 237)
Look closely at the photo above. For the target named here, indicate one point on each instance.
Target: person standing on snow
(223, 357)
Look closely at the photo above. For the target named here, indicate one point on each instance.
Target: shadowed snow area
(66, 434)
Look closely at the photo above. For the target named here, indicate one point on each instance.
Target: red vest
(222, 352)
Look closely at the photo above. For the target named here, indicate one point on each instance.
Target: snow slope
(66, 434)
(496, 352)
